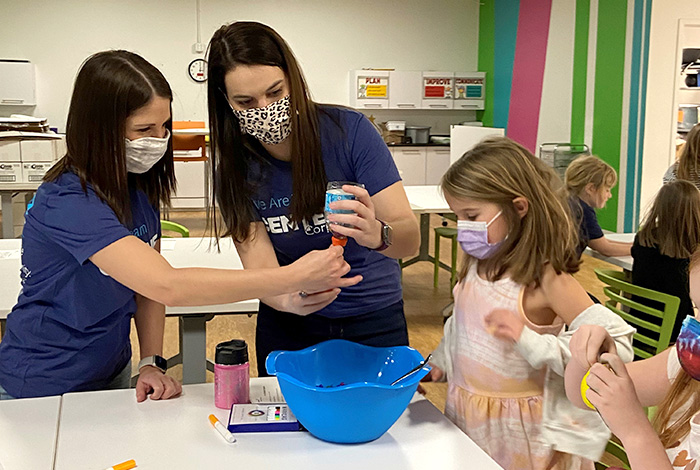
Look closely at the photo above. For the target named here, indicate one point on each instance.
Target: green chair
(173, 227)
(617, 451)
(451, 233)
(660, 322)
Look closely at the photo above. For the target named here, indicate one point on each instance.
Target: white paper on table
(10, 254)
(167, 244)
(266, 390)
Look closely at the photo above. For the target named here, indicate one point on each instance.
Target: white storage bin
(39, 150)
(10, 172)
(438, 90)
(33, 172)
(469, 90)
(17, 84)
(369, 89)
(10, 151)
(405, 90)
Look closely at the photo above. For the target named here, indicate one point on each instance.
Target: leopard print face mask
(270, 125)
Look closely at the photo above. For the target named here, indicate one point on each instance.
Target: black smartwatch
(155, 361)
(387, 236)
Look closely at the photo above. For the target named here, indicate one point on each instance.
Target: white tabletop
(625, 262)
(179, 252)
(99, 429)
(19, 186)
(28, 430)
(426, 199)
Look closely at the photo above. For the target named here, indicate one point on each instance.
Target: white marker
(225, 433)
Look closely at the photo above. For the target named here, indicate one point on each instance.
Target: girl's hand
(435, 375)
(152, 381)
(321, 270)
(305, 303)
(365, 228)
(587, 344)
(612, 392)
(504, 325)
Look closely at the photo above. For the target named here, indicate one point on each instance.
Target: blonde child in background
(669, 380)
(589, 181)
(501, 353)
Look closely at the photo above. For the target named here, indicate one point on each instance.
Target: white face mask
(270, 125)
(143, 153)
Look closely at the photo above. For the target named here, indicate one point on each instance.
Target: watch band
(156, 361)
(386, 241)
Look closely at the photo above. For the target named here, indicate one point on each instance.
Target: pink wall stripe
(528, 71)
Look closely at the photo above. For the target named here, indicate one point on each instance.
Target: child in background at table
(504, 344)
(589, 181)
(669, 235)
(686, 168)
(669, 380)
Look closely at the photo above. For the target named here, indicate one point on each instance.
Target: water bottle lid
(232, 352)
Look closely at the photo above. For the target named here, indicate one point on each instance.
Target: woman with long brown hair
(686, 168)
(91, 247)
(273, 151)
(619, 392)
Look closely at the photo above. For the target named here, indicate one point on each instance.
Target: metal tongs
(412, 371)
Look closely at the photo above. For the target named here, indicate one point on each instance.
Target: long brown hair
(251, 43)
(110, 86)
(498, 170)
(672, 224)
(688, 161)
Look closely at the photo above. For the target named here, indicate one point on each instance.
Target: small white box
(10, 151)
(33, 172)
(10, 172)
(59, 147)
(37, 150)
(396, 126)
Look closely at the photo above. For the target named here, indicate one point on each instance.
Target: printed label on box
(435, 87)
(372, 87)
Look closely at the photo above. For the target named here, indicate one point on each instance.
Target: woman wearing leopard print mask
(273, 150)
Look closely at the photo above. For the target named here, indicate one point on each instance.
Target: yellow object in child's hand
(584, 388)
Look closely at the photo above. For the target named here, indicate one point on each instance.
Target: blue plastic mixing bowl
(340, 391)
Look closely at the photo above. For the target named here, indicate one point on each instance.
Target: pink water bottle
(231, 374)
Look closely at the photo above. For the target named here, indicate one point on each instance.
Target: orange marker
(225, 433)
(128, 465)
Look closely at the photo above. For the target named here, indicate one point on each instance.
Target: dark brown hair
(498, 170)
(111, 86)
(688, 161)
(250, 43)
(672, 224)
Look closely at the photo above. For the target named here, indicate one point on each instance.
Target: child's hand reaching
(435, 375)
(503, 324)
(613, 394)
(587, 344)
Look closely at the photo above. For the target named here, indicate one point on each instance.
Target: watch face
(388, 234)
(161, 363)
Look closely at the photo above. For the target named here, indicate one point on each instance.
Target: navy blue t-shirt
(352, 151)
(70, 328)
(588, 227)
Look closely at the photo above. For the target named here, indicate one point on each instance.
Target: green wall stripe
(487, 35)
(607, 95)
(578, 98)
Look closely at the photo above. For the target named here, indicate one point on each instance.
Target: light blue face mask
(473, 237)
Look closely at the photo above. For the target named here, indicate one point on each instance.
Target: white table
(625, 262)
(179, 252)
(6, 192)
(28, 433)
(425, 200)
(98, 429)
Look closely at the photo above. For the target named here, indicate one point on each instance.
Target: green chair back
(450, 233)
(617, 451)
(660, 322)
(174, 227)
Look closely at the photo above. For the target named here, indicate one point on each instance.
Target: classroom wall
(659, 133)
(571, 71)
(329, 39)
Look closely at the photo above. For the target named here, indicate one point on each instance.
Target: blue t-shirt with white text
(354, 151)
(69, 330)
